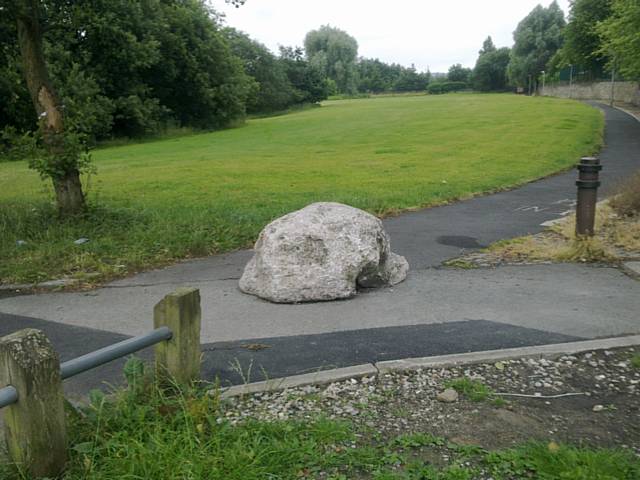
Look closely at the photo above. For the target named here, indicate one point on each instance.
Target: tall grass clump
(626, 202)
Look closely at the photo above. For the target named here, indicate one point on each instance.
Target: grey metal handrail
(9, 395)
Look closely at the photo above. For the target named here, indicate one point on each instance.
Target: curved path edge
(434, 312)
(442, 361)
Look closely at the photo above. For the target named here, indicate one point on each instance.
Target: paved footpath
(436, 311)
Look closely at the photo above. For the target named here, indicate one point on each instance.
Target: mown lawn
(154, 202)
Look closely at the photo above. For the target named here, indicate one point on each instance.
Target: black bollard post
(588, 183)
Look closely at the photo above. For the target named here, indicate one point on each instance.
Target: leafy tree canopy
(536, 40)
(129, 68)
(308, 82)
(582, 42)
(621, 37)
(487, 46)
(334, 52)
(490, 72)
(458, 73)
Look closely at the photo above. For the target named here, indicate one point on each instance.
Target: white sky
(428, 33)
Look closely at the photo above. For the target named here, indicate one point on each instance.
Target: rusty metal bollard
(587, 183)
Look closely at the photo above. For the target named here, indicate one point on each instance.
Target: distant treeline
(600, 38)
(131, 69)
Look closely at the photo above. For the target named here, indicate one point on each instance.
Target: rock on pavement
(322, 252)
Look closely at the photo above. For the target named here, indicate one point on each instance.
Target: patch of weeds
(553, 461)
(635, 361)
(499, 402)
(530, 248)
(615, 236)
(312, 397)
(586, 250)
(390, 393)
(401, 412)
(420, 471)
(460, 263)
(626, 202)
(627, 234)
(417, 440)
(474, 390)
(244, 373)
(508, 242)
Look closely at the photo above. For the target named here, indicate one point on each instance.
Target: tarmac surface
(436, 311)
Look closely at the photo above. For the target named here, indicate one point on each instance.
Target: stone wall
(627, 92)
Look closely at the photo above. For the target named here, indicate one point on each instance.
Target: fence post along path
(35, 429)
(178, 359)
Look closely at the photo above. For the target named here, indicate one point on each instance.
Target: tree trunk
(69, 194)
(66, 183)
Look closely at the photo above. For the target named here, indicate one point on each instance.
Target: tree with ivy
(63, 157)
(93, 69)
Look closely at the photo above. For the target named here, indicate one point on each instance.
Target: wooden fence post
(35, 429)
(179, 358)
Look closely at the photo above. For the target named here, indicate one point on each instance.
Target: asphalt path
(428, 237)
(81, 322)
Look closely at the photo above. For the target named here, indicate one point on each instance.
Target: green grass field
(154, 202)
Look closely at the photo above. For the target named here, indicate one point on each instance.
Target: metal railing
(32, 376)
(8, 396)
(71, 368)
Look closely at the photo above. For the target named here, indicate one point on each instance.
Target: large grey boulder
(322, 252)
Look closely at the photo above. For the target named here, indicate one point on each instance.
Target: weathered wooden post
(178, 359)
(35, 429)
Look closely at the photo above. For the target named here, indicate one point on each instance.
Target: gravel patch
(591, 398)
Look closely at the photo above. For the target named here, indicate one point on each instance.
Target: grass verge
(617, 238)
(143, 432)
(196, 195)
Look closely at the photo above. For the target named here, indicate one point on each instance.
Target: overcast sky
(431, 34)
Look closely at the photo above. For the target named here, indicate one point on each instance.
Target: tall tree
(196, 76)
(374, 76)
(272, 89)
(124, 68)
(621, 37)
(582, 42)
(411, 80)
(63, 158)
(536, 40)
(334, 51)
(308, 82)
(490, 72)
(458, 73)
(487, 46)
